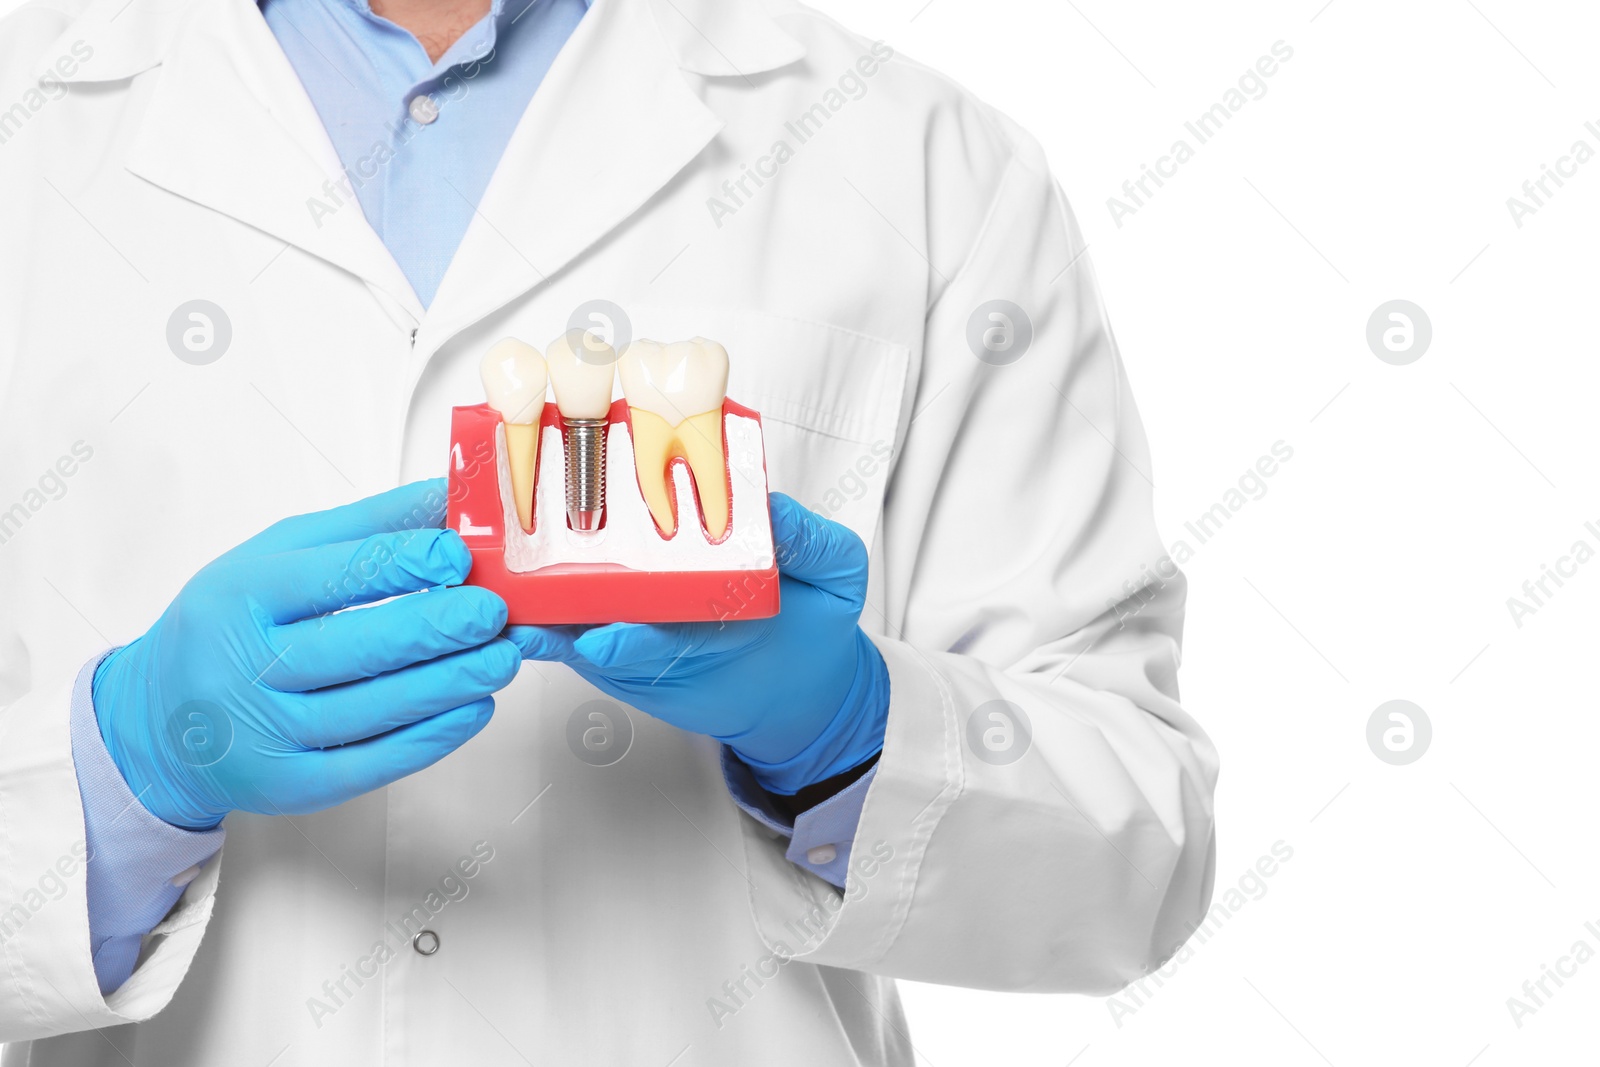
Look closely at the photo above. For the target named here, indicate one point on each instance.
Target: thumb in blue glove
(799, 697)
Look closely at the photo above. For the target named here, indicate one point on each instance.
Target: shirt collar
(128, 39)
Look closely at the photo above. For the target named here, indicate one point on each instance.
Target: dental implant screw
(586, 472)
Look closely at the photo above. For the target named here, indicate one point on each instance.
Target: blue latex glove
(248, 694)
(800, 697)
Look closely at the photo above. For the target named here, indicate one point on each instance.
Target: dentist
(252, 254)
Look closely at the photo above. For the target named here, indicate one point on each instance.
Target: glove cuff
(853, 737)
(106, 689)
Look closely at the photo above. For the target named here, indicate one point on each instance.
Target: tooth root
(653, 443)
(522, 450)
(701, 439)
(697, 440)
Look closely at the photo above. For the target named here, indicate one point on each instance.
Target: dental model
(675, 394)
(693, 544)
(514, 377)
(582, 371)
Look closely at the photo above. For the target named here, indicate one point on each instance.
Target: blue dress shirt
(418, 141)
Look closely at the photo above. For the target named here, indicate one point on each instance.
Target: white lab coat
(631, 914)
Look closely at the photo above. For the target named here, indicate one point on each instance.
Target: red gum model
(588, 592)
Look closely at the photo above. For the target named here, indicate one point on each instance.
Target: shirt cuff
(820, 838)
(137, 864)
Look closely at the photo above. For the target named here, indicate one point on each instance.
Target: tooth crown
(514, 377)
(676, 380)
(582, 372)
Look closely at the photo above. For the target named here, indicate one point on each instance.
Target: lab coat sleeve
(48, 981)
(1041, 816)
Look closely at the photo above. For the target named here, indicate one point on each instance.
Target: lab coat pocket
(830, 402)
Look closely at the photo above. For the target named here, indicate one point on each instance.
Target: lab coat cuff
(50, 986)
(917, 778)
(136, 864)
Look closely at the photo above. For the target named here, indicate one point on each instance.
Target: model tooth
(675, 394)
(582, 370)
(514, 377)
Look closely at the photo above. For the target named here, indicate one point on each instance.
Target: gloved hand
(247, 694)
(800, 697)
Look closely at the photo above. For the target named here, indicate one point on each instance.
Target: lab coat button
(822, 855)
(426, 942)
(423, 109)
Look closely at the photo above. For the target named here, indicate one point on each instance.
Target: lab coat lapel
(230, 127)
(612, 123)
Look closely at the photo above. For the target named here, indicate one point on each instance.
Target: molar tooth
(675, 394)
(514, 377)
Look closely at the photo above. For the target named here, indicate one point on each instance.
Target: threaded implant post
(586, 472)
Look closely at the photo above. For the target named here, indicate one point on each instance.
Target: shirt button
(822, 855)
(426, 942)
(423, 109)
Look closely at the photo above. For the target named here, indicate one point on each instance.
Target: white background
(1378, 563)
